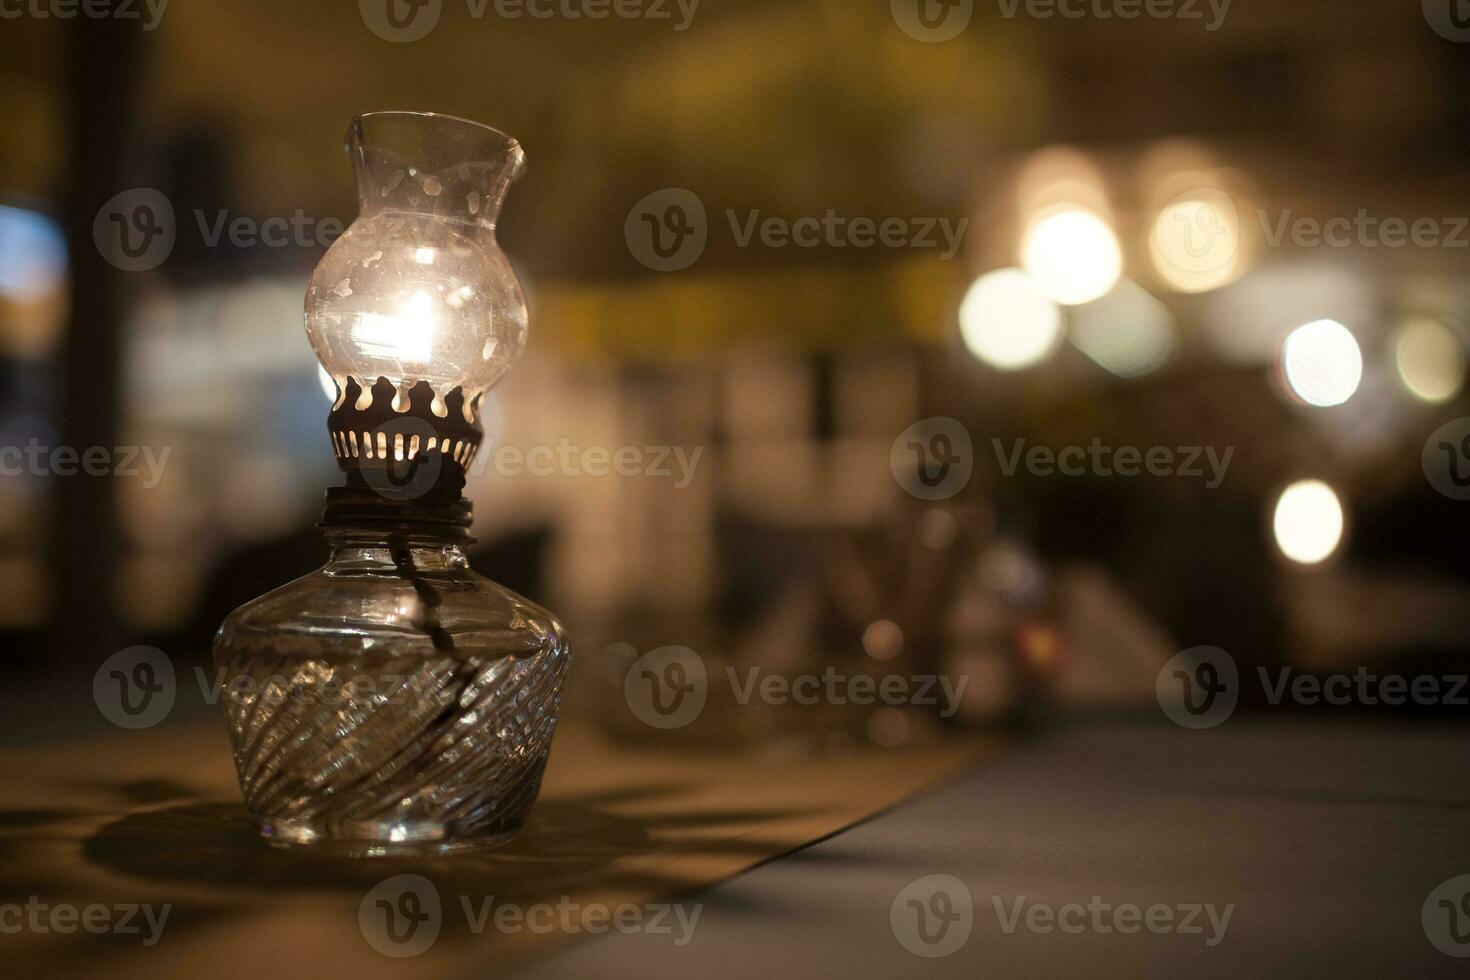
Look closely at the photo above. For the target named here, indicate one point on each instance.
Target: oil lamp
(394, 700)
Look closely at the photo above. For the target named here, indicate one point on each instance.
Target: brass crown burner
(381, 434)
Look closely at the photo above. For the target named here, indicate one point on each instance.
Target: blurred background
(1235, 234)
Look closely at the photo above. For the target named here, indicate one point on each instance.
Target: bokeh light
(1072, 254)
(1008, 322)
(1308, 522)
(1246, 323)
(937, 529)
(1430, 359)
(888, 727)
(883, 640)
(1322, 363)
(1128, 333)
(32, 255)
(1060, 177)
(1196, 241)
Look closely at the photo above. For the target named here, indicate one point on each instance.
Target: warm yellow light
(1008, 322)
(1322, 363)
(1308, 522)
(1060, 177)
(1430, 359)
(407, 338)
(1073, 255)
(1196, 244)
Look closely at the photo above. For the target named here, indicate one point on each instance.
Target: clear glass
(393, 701)
(417, 288)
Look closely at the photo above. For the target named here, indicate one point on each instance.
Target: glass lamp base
(376, 838)
(392, 701)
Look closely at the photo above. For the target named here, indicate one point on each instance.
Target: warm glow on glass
(418, 289)
(1008, 322)
(1430, 359)
(1308, 522)
(1322, 363)
(407, 338)
(1073, 255)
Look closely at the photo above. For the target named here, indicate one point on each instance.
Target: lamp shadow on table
(570, 844)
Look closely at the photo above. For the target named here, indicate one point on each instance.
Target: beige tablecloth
(154, 819)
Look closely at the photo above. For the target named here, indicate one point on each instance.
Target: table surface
(1327, 840)
(153, 818)
(1323, 841)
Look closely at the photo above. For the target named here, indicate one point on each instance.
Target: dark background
(794, 369)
